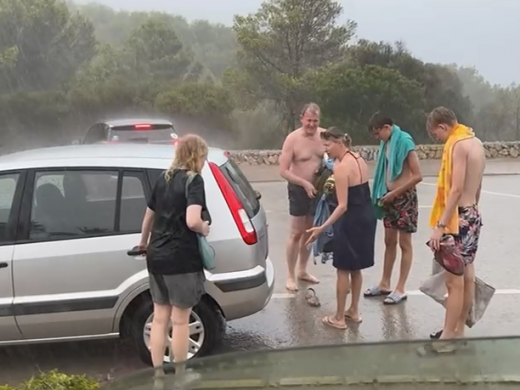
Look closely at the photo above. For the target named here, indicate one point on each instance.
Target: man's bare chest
(308, 150)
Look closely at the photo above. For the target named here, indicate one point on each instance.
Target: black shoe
(436, 335)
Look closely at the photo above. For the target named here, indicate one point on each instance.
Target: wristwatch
(440, 225)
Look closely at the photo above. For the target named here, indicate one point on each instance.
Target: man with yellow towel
(455, 212)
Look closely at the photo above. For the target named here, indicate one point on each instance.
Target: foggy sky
(478, 33)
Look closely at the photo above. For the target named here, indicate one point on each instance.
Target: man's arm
(458, 177)
(286, 158)
(415, 178)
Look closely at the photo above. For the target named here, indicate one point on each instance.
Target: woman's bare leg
(158, 335)
(180, 335)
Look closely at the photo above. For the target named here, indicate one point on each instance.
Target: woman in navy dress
(354, 225)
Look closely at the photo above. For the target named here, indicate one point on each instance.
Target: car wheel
(206, 330)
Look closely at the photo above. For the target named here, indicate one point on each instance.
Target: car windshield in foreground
(486, 363)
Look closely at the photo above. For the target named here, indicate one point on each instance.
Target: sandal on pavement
(375, 291)
(326, 321)
(349, 318)
(395, 298)
(311, 298)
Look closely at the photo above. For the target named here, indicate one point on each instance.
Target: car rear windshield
(155, 134)
(242, 187)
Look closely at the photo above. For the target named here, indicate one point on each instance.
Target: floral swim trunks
(403, 213)
(470, 223)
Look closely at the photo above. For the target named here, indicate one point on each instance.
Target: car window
(133, 202)
(73, 204)
(146, 136)
(153, 175)
(242, 187)
(7, 189)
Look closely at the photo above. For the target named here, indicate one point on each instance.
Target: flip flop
(326, 321)
(395, 298)
(312, 298)
(349, 318)
(375, 291)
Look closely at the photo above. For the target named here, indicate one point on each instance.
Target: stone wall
(425, 152)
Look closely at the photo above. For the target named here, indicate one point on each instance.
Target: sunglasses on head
(333, 133)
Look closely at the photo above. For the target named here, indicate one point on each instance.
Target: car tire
(213, 326)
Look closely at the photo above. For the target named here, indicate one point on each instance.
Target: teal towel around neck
(400, 144)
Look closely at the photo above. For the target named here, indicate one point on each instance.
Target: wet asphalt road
(288, 321)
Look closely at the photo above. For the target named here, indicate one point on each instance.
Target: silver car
(68, 216)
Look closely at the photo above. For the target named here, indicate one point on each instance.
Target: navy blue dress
(355, 230)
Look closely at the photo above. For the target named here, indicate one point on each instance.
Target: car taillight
(245, 227)
(142, 127)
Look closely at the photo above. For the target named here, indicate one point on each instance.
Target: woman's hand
(205, 228)
(313, 232)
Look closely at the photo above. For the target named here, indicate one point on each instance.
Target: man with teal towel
(394, 196)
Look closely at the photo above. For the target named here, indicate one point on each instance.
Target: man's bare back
(473, 151)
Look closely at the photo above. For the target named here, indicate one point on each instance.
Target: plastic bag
(435, 288)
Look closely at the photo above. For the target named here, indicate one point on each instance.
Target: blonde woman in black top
(174, 260)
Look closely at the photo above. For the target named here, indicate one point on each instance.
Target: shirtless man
(302, 155)
(459, 212)
(398, 207)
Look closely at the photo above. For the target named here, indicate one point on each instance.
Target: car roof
(100, 155)
(134, 121)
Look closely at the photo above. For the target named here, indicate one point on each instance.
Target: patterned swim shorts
(470, 223)
(403, 213)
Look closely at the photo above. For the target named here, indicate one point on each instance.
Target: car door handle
(3, 265)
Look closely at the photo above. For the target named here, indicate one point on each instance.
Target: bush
(54, 380)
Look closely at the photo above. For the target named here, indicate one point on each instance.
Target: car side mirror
(258, 195)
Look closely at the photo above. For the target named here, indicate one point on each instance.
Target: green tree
(213, 45)
(106, 83)
(205, 101)
(500, 118)
(478, 89)
(440, 83)
(42, 43)
(154, 49)
(283, 40)
(348, 97)
(387, 55)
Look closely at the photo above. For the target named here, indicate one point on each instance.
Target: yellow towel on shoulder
(460, 132)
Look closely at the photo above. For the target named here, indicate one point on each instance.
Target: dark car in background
(133, 131)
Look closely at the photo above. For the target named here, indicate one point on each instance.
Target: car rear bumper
(243, 293)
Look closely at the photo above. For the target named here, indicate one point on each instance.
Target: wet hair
(311, 107)
(336, 134)
(379, 120)
(190, 150)
(441, 116)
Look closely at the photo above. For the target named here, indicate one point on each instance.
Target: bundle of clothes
(325, 187)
